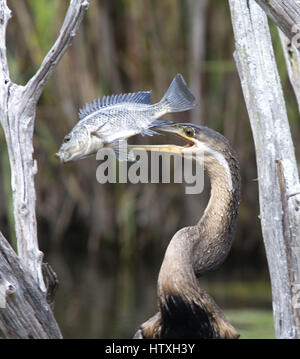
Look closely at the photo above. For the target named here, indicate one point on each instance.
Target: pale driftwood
(17, 117)
(276, 163)
(285, 14)
(25, 312)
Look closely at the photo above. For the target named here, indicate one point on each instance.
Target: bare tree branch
(5, 15)
(285, 14)
(24, 311)
(280, 218)
(17, 117)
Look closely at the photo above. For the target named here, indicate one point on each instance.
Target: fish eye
(67, 139)
(189, 131)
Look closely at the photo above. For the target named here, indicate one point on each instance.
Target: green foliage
(252, 323)
(45, 16)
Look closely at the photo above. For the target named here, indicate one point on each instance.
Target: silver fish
(111, 119)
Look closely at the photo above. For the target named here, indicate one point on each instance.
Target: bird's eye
(189, 131)
(67, 139)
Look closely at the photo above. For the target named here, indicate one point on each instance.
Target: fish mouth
(168, 129)
(63, 156)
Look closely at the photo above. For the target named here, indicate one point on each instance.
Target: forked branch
(27, 314)
(285, 14)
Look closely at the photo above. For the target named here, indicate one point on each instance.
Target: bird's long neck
(217, 224)
(197, 249)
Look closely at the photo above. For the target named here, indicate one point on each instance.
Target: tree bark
(24, 311)
(276, 163)
(17, 117)
(285, 14)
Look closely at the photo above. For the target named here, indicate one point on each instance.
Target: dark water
(96, 303)
(109, 298)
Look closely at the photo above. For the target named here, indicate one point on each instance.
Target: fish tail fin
(178, 97)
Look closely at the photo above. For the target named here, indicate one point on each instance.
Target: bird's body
(186, 310)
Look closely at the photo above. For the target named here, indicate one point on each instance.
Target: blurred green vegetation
(252, 323)
(106, 242)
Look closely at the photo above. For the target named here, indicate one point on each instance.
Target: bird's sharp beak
(159, 148)
(172, 129)
(167, 129)
(177, 131)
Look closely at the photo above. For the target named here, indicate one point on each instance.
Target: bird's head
(196, 138)
(213, 148)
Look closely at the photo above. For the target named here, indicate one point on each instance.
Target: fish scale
(105, 121)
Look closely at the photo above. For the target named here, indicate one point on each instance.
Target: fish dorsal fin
(135, 97)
